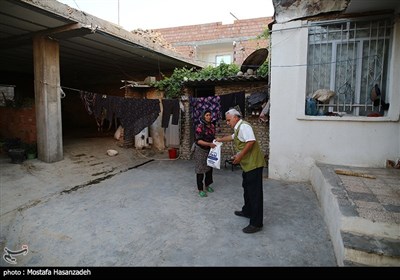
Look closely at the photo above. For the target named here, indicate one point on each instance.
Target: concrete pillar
(47, 99)
(187, 129)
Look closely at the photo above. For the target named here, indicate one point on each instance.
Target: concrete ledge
(374, 245)
(370, 259)
(330, 210)
(356, 240)
(364, 226)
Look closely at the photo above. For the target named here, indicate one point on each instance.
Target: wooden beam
(15, 41)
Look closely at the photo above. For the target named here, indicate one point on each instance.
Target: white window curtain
(349, 58)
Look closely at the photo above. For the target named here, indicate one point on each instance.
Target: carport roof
(88, 45)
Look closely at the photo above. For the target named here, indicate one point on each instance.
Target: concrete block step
(368, 250)
(348, 263)
(368, 227)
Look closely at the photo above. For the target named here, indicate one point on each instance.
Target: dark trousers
(170, 106)
(253, 196)
(208, 181)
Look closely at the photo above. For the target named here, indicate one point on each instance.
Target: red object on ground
(172, 153)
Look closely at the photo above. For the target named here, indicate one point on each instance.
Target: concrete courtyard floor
(140, 209)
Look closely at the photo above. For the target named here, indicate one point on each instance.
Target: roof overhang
(226, 81)
(89, 46)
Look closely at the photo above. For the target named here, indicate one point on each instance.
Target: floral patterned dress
(205, 132)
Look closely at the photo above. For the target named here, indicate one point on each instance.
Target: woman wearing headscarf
(204, 136)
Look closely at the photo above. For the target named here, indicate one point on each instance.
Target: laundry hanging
(257, 99)
(137, 114)
(199, 104)
(170, 106)
(134, 114)
(231, 100)
(88, 99)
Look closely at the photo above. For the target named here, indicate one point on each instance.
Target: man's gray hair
(233, 112)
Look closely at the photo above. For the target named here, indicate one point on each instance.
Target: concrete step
(368, 227)
(368, 250)
(346, 225)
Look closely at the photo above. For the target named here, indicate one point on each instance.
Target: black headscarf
(203, 120)
(205, 130)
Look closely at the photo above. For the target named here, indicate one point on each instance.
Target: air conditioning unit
(142, 139)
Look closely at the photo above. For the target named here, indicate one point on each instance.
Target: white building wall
(298, 141)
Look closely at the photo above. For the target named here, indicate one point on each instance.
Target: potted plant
(14, 149)
(31, 150)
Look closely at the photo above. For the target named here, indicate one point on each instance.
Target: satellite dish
(254, 60)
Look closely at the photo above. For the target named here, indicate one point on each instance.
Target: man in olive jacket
(252, 161)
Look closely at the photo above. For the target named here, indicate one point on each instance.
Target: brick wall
(185, 39)
(18, 123)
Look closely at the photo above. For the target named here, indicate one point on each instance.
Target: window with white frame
(349, 62)
(227, 59)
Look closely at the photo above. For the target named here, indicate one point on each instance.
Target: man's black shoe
(251, 229)
(241, 214)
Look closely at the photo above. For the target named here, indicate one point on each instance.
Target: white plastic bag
(214, 156)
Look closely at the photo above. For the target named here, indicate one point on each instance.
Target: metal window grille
(349, 58)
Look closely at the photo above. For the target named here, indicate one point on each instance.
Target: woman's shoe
(202, 194)
(209, 189)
